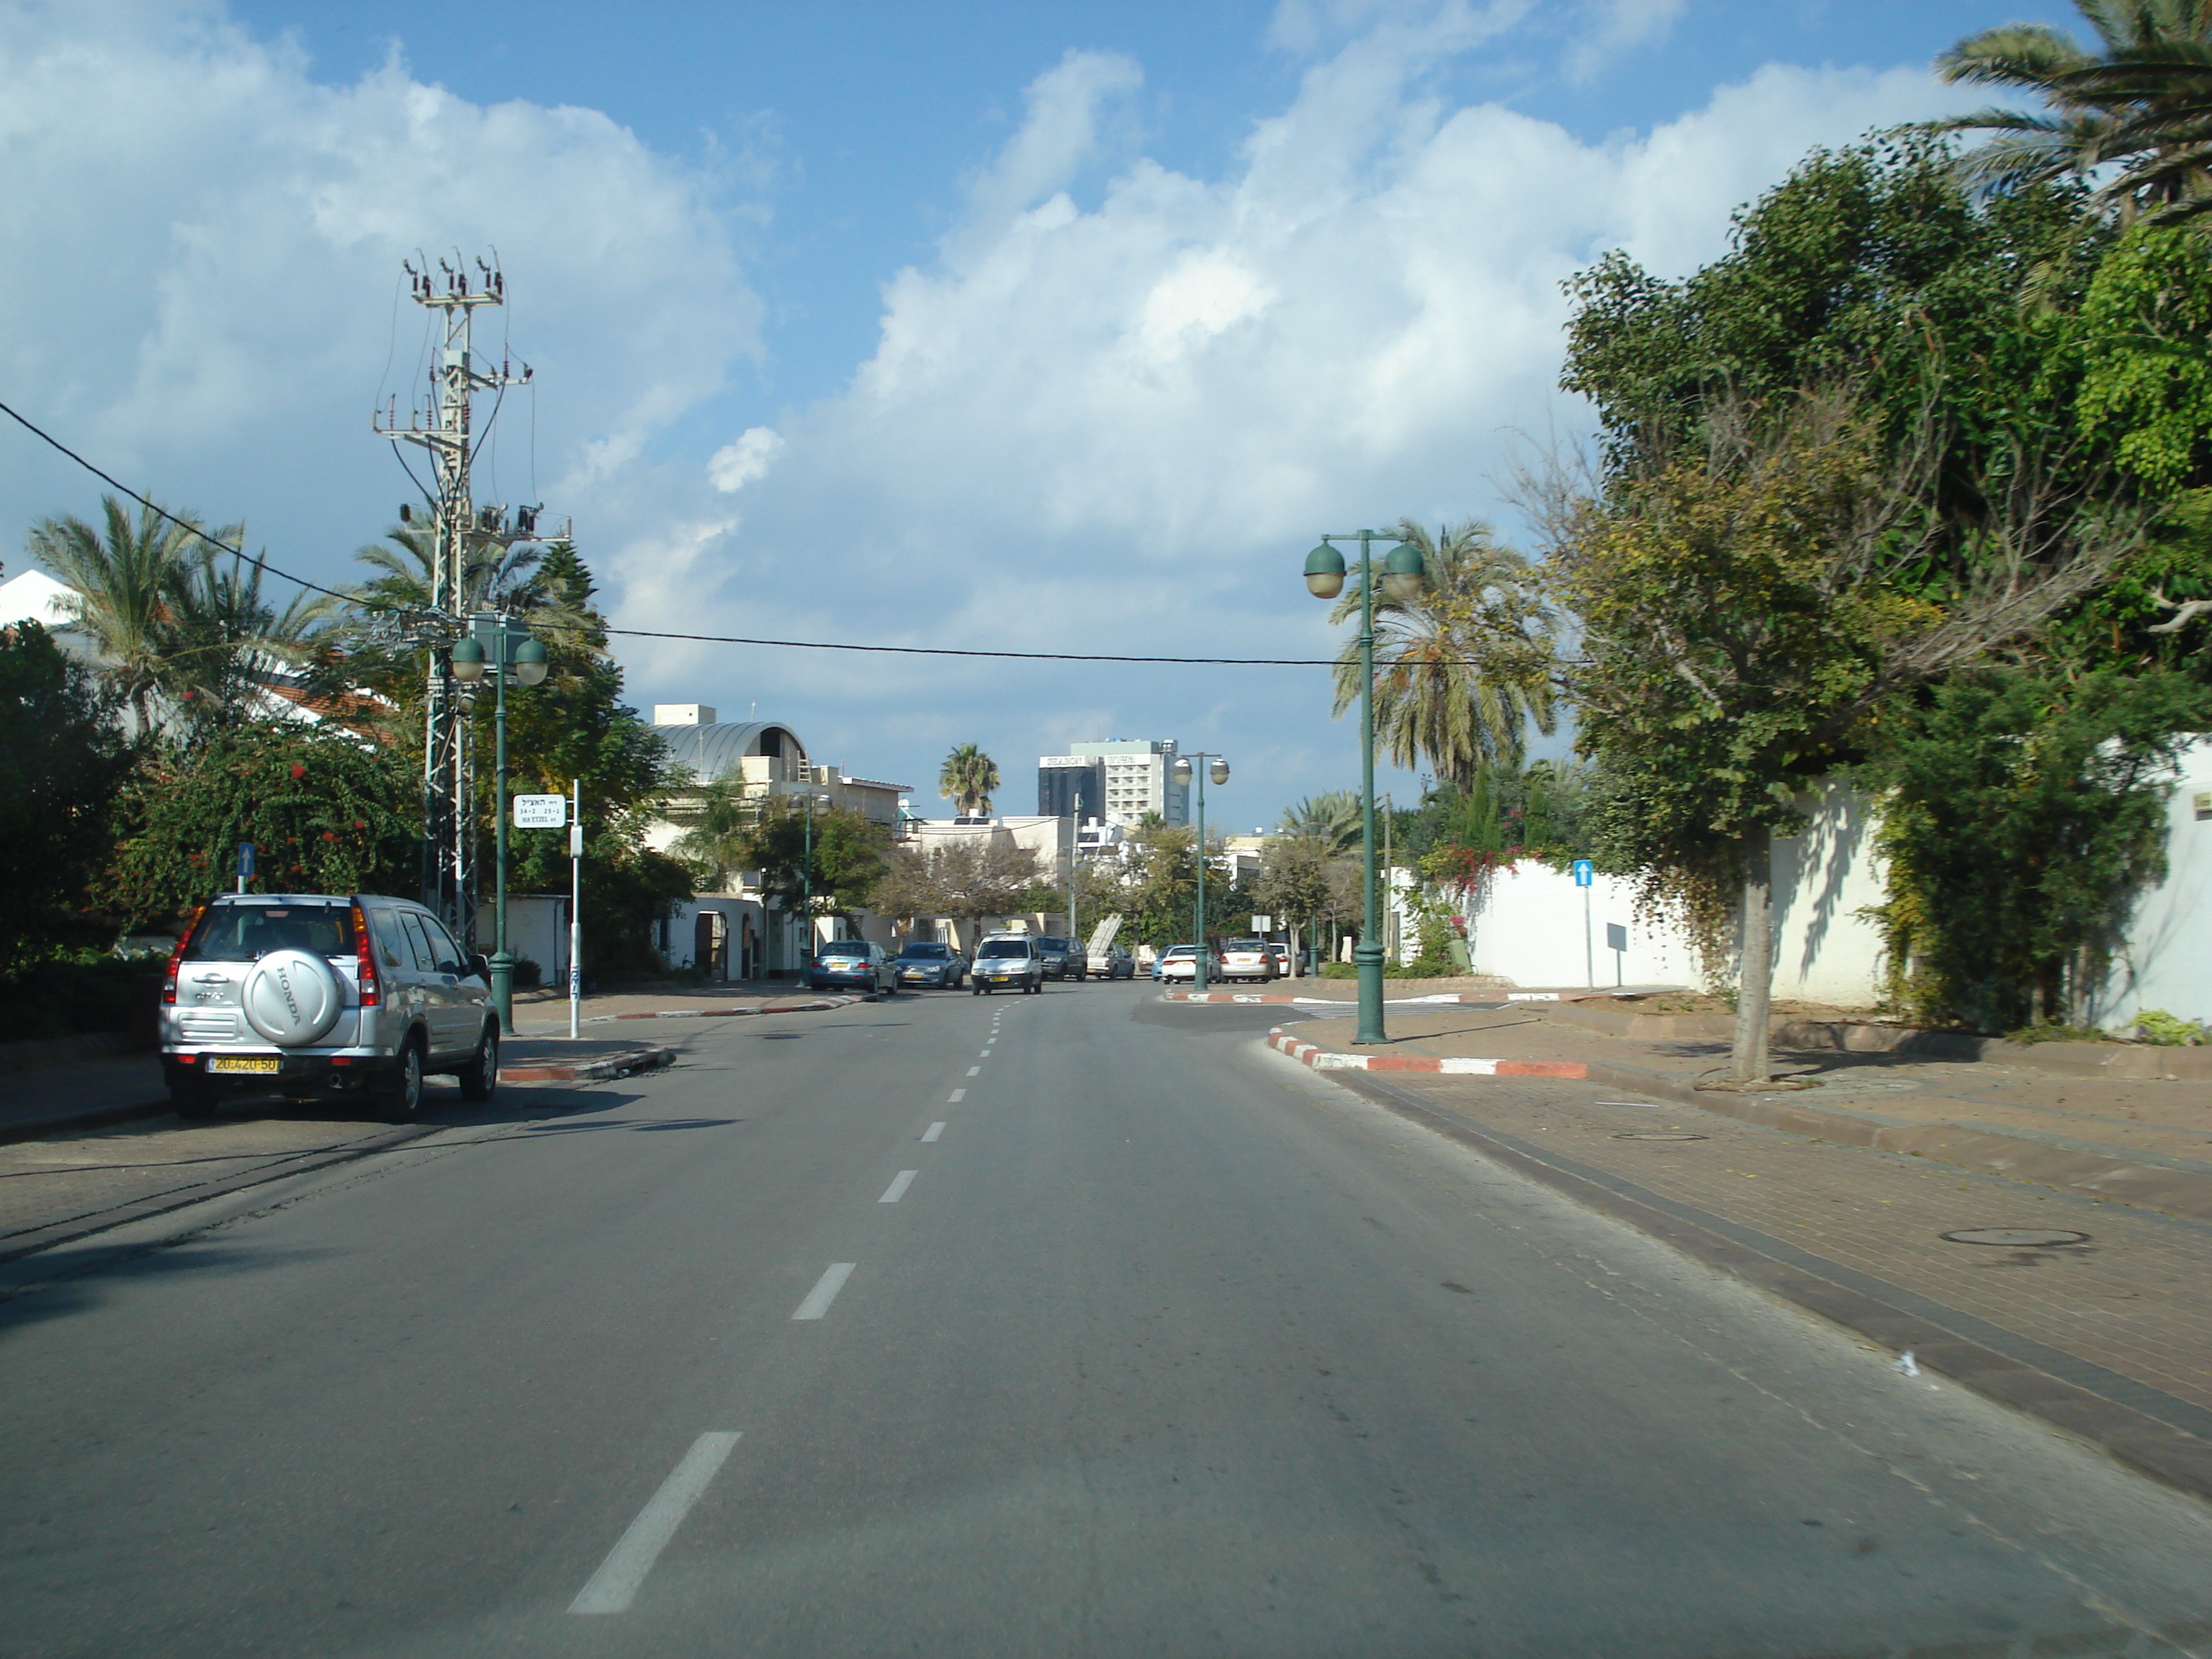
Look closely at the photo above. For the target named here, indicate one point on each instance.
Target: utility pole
(461, 540)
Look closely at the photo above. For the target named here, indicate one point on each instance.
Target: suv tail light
(365, 954)
(177, 954)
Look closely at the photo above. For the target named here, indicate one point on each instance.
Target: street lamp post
(493, 642)
(1403, 578)
(806, 877)
(1074, 842)
(1183, 773)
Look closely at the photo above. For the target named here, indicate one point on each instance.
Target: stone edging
(1328, 1060)
(592, 1071)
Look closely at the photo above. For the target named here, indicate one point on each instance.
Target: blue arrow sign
(1585, 872)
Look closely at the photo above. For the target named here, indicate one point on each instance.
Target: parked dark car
(924, 962)
(314, 993)
(1063, 957)
(854, 963)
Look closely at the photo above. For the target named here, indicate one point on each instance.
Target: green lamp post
(1183, 773)
(1403, 578)
(508, 651)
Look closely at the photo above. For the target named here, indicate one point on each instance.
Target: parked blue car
(924, 962)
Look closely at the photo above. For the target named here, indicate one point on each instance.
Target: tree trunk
(1755, 961)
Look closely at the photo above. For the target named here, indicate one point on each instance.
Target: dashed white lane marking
(616, 1583)
(975, 1071)
(932, 1132)
(825, 1291)
(959, 1094)
(986, 1054)
(897, 1190)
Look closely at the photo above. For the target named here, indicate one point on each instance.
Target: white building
(1138, 777)
(735, 934)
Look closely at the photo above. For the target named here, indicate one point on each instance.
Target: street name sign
(540, 811)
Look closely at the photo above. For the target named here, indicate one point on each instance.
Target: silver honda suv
(312, 993)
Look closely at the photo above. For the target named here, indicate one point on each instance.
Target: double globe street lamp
(1404, 578)
(505, 650)
(1183, 773)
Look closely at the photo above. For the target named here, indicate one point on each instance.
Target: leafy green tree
(327, 812)
(969, 779)
(2023, 813)
(1461, 672)
(1297, 883)
(838, 860)
(61, 762)
(1742, 617)
(967, 878)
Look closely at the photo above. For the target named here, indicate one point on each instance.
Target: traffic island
(550, 1065)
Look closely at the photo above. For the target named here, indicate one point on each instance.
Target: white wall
(2167, 964)
(1525, 924)
(1824, 950)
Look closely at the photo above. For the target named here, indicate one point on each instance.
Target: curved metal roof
(712, 752)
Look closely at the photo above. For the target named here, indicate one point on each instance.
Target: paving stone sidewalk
(2109, 1338)
(2142, 1141)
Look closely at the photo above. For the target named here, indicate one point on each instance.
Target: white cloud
(1120, 426)
(1614, 26)
(202, 246)
(736, 464)
(1107, 427)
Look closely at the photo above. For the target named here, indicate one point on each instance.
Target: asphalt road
(1160, 1345)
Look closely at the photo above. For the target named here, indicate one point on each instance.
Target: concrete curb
(1328, 1060)
(1432, 999)
(2142, 1442)
(592, 1071)
(2110, 1176)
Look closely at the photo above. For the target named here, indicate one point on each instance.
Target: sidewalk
(2083, 1307)
(2145, 1141)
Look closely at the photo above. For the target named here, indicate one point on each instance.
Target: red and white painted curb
(1329, 1059)
(1437, 998)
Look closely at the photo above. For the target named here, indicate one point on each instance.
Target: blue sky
(1042, 326)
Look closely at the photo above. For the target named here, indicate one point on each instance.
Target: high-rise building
(1071, 787)
(1119, 780)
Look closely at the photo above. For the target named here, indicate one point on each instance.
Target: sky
(1061, 327)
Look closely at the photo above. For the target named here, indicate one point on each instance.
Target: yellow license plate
(243, 1063)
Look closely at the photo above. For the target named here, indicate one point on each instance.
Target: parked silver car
(305, 995)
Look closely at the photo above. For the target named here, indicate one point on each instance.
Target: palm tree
(967, 779)
(1460, 670)
(177, 623)
(1332, 819)
(2144, 101)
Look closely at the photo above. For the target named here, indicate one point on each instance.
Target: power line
(715, 639)
(947, 651)
(155, 507)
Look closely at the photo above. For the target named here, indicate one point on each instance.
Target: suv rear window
(247, 932)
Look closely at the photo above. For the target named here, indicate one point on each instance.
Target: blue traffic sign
(246, 860)
(1585, 872)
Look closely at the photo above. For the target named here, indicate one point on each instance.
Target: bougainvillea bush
(328, 811)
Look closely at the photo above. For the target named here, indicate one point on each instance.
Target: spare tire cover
(291, 997)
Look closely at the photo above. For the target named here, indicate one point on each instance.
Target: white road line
(616, 1582)
(986, 1054)
(959, 1094)
(932, 1132)
(825, 1291)
(897, 1190)
(975, 1071)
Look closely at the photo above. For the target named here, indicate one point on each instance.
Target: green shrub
(2156, 1026)
(1340, 970)
(63, 996)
